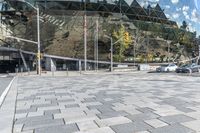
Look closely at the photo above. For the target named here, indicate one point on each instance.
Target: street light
(111, 50)
(38, 35)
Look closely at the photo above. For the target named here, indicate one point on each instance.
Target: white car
(167, 68)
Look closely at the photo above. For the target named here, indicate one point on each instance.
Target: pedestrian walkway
(112, 103)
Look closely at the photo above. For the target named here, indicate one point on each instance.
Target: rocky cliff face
(63, 35)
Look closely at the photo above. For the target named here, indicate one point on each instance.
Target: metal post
(85, 39)
(198, 56)
(97, 45)
(111, 54)
(38, 32)
(95, 51)
(67, 72)
(147, 49)
(168, 50)
(134, 54)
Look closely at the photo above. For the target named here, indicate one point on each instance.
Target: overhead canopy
(134, 11)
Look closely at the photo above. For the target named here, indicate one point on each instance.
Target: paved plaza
(113, 103)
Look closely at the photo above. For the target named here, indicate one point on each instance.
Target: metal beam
(23, 59)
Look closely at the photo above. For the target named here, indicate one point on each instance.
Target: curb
(7, 109)
(4, 94)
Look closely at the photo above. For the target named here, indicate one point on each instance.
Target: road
(4, 82)
(109, 103)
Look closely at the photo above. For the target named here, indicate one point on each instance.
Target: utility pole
(85, 37)
(147, 48)
(168, 45)
(95, 55)
(97, 45)
(111, 54)
(38, 33)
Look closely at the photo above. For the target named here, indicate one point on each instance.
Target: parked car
(188, 68)
(167, 68)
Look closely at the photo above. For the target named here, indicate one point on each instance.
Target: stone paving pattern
(118, 103)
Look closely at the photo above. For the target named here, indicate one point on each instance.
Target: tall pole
(198, 57)
(147, 48)
(97, 45)
(38, 34)
(85, 38)
(168, 50)
(95, 53)
(134, 53)
(111, 54)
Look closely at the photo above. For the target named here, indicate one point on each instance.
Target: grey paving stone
(33, 124)
(62, 94)
(177, 128)
(72, 106)
(143, 116)
(20, 111)
(112, 114)
(35, 118)
(131, 127)
(89, 100)
(105, 109)
(45, 93)
(176, 119)
(145, 110)
(51, 99)
(43, 105)
(65, 100)
(175, 101)
(51, 112)
(185, 110)
(71, 128)
(98, 106)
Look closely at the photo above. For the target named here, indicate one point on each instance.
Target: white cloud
(175, 15)
(185, 8)
(145, 3)
(191, 28)
(195, 16)
(186, 15)
(178, 9)
(167, 15)
(153, 0)
(167, 6)
(174, 1)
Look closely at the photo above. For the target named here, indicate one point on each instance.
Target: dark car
(188, 68)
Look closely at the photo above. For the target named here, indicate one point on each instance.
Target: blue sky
(180, 10)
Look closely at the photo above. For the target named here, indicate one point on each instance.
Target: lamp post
(38, 36)
(111, 50)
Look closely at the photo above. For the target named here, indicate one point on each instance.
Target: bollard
(80, 71)
(53, 73)
(16, 71)
(28, 71)
(21, 71)
(67, 72)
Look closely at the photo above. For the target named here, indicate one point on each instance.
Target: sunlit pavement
(4, 82)
(114, 103)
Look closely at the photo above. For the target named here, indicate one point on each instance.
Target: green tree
(124, 39)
